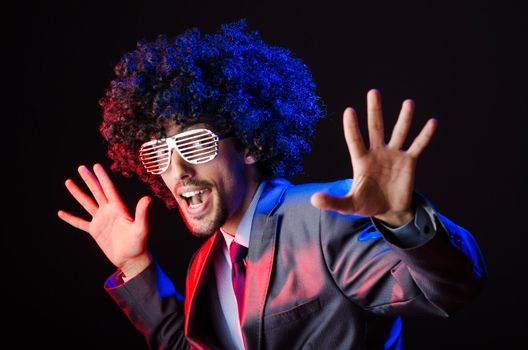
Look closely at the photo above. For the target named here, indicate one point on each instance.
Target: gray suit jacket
(316, 279)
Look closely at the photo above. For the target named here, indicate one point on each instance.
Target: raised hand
(121, 237)
(383, 173)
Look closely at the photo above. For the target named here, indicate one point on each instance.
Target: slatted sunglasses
(195, 146)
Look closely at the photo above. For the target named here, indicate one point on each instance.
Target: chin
(204, 227)
(201, 234)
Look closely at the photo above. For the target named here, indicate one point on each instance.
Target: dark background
(459, 61)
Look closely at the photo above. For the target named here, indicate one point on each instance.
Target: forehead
(170, 127)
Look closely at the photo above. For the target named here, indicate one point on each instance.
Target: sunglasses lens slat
(191, 138)
(192, 151)
(202, 160)
(198, 145)
(201, 156)
(153, 152)
(149, 157)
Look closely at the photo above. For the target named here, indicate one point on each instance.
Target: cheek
(166, 180)
(231, 184)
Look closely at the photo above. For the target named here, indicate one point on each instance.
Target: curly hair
(262, 94)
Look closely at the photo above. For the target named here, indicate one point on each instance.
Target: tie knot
(237, 252)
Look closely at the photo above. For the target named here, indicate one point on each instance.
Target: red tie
(238, 273)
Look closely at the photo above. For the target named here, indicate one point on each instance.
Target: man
(214, 124)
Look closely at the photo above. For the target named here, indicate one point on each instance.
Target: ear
(249, 158)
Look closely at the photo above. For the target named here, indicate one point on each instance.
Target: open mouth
(196, 200)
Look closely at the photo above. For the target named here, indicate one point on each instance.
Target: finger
(375, 119)
(403, 124)
(73, 220)
(424, 137)
(354, 140)
(87, 203)
(141, 215)
(107, 184)
(93, 185)
(328, 202)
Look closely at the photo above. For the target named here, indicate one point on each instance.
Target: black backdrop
(459, 61)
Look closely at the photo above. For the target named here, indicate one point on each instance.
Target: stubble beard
(204, 227)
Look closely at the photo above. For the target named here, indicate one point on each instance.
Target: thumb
(142, 210)
(329, 202)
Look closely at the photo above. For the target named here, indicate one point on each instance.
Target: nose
(178, 168)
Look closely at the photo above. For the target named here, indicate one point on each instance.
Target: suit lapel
(196, 277)
(260, 261)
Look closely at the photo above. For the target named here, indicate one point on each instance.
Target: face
(212, 194)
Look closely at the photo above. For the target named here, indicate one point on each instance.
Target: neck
(231, 225)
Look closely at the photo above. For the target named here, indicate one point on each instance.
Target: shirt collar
(243, 230)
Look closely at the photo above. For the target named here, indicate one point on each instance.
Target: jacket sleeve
(153, 305)
(437, 276)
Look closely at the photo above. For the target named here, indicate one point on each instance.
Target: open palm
(121, 237)
(383, 173)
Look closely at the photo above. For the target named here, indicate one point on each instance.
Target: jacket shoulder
(302, 192)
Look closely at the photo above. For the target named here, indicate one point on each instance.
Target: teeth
(192, 193)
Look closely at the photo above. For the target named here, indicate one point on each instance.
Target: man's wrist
(396, 219)
(135, 266)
